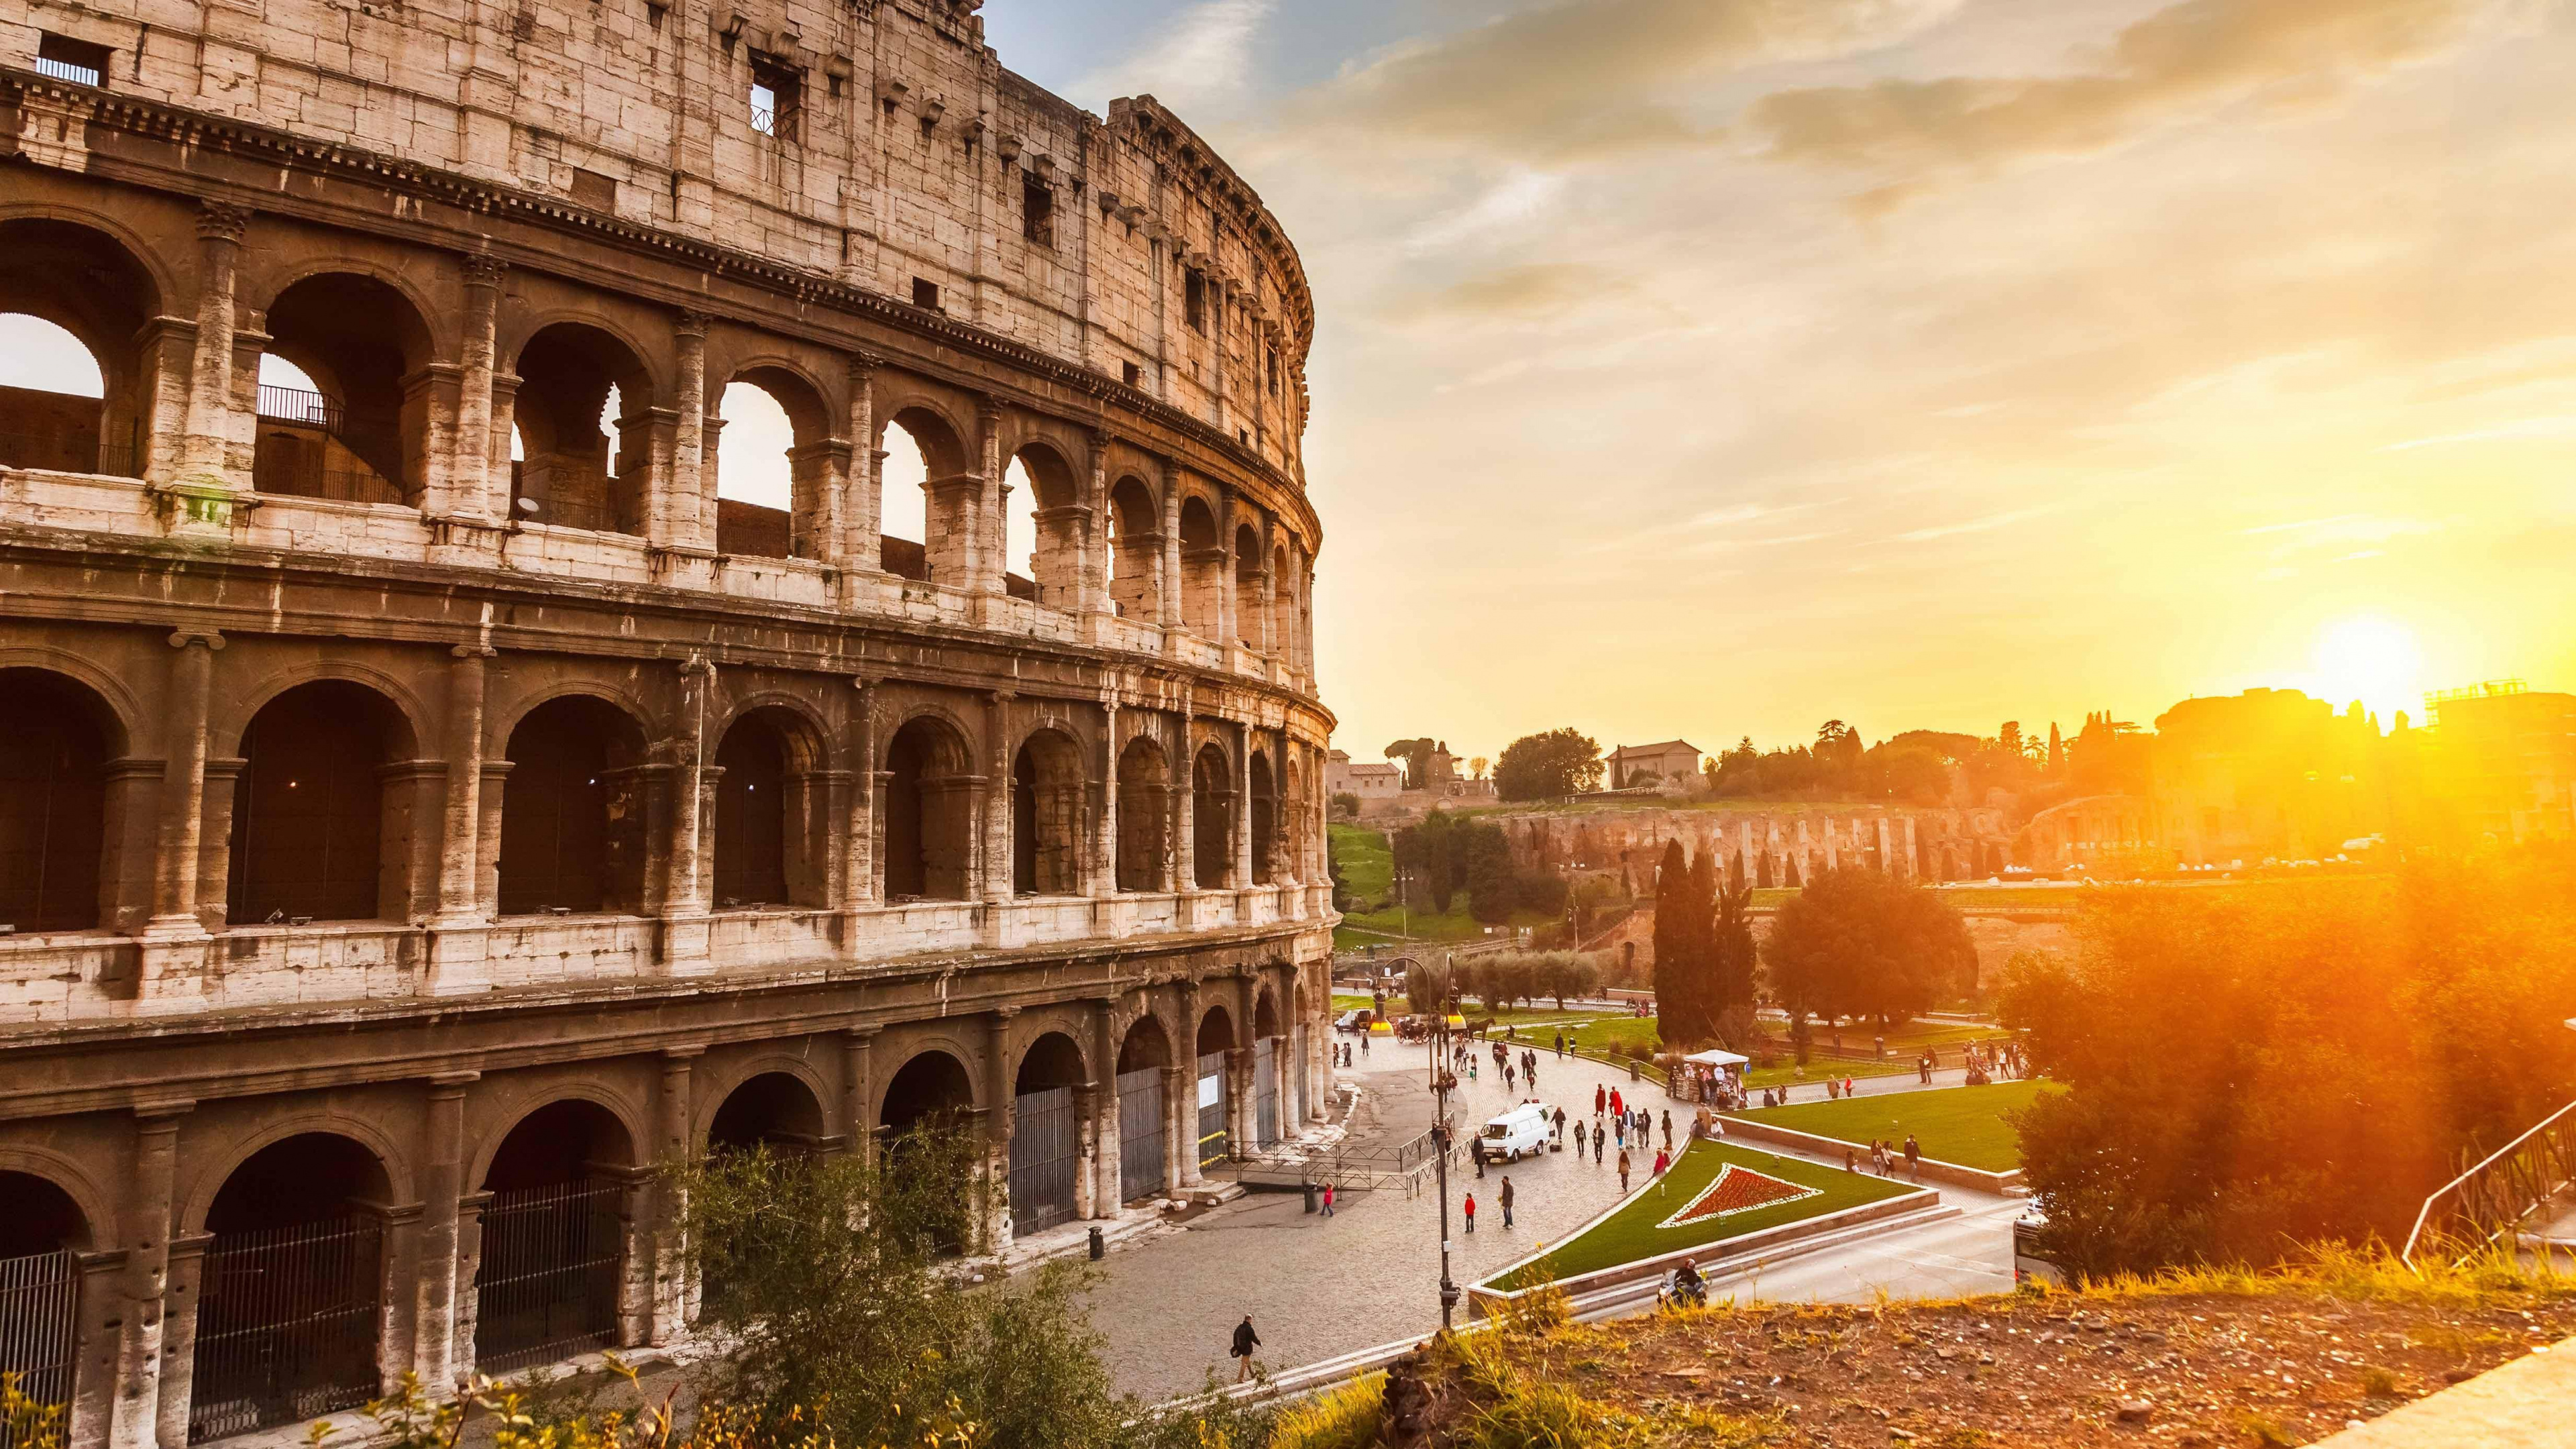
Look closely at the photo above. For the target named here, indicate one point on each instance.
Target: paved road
(1318, 1288)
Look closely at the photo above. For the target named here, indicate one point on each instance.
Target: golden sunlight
(2372, 659)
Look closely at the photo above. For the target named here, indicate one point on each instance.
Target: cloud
(2548, 427)
(2178, 63)
(1576, 77)
(1535, 291)
(1203, 63)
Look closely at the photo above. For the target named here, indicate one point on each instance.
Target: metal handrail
(2423, 1216)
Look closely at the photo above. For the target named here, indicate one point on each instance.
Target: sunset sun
(2372, 659)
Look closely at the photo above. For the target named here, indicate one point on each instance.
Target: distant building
(1344, 776)
(2266, 774)
(1673, 764)
(2510, 753)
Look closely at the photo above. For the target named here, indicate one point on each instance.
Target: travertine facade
(426, 802)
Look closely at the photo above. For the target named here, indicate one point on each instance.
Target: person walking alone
(1245, 1341)
(1506, 1196)
(1668, 1129)
(1913, 1158)
(1600, 1100)
(1328, 1199)
(1623, 1172)
(1597, 1135)
(1471, 1214)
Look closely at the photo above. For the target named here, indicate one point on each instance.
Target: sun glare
(2374, 660)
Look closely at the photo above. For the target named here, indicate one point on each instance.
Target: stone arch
(58, 739)
(585, 1123)
(572, 808)
(1212, 806)
(1147, 1042)
(550, 1275)
(773, 1105)
(1047, 814)
(1202, 568)
(1051, 1059)
(929, 809)
(54, 1204)
(1135, 532)
(1214, 1031)
(754, 517)
(570, 476)
(322, 820)
(772, 832)
(362, 436)
(93, 279)
(1262, 815)
(1046, 1132)
(932, 1082)
(1144, 816)
(1056, 523)
(951, 492)
(1266, 1019)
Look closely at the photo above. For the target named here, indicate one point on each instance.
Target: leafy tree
(1341, 887)
(1733, 962)
(1493, 886)
(2256, 1068)
(1346, 805)
(1858, 942)
(1548, 766)
(1416, 755)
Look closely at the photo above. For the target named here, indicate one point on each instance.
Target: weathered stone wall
(1778, 845)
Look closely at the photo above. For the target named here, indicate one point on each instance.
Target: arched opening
(1296, 825)
(1144, 1109)
(770, 835)
(568, 474)
(1283, 607)
(40, 1232)
(56, 738)
(1046, 1134)
(1268, 1107)
(1215, 1085)
(1144, 817)
(572, 811)
(1046, 816)
(1046, 529)
(314, 836)
(929, 827)
(340, 420)
(773, 1109)
(931, 1094)
(1019, 545)
(549, 1277)
(1248, 617)
(1264, 810)
(1202, 568)
(77, 388)
(289, 1306)
(926, 460)
(1135, 551)
(772, 453)
(1211, 819)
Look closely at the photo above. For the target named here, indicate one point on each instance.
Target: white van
(1518, 1133)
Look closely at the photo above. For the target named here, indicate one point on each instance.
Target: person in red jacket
(1471, 1212)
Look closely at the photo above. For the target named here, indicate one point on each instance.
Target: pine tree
(1672, 934)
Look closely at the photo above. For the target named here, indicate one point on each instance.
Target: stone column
(861, 888)
(676, 516)
(1107, 1190)
(180, 1294)
(1103, 881)
(1094, 588)
(674, 1142)
(858, 1122)
(1229, 632)
(205, 456)
(183, 785)
(1184, 803)
(460, 840)
(1168, 590)
(476, 493)
(684, 898)
(442, 1188)
(998, 849)
(986, 561)
(999, 1093)
(1239, 832)
(1185, 1102)
(863, 504)
(134, 1415)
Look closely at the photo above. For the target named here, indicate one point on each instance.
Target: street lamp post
(1441, 1081)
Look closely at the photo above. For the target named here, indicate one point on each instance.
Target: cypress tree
(1672, 932)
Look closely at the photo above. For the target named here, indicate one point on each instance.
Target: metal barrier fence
(1213, 1092)
(66, 455)
(1144, 1121)
(1347, 1167)
(2494, 1197)
(553, 1260)
(298, 405)
(39, 1328)
(1046, 1147)
(286, 1326)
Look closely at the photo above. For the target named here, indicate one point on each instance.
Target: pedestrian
(1623, 1172)
(1560, 1126)
(1851, 1162)
(1668, 1129)
(1471, 1069)
(1506, 1196)
(1913, 1157)
(1662, 1161)
(1328, 1199)
(1471, 1214)
(1560, 1046)
(1619, 1127)
(1833, 1089)
(1245, 1341)
(1363, 1045)
(1847, 1086)
(1600, 1100)
(1616, 1108)
(1596, 1144)
(1476, 1150)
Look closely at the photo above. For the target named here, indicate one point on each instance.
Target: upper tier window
(67, 59)
(1037, 212)
(777, 97)
(1194, 299)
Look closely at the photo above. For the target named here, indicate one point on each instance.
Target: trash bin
(1635, 1072)
(1099, 1246)
(1310, 1197)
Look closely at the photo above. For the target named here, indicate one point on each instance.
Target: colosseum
(430, 796)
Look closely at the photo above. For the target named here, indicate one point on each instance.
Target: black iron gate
(39, 1328)
(1046, 1150)
(286, 1326)
(1265, 1092)
(553, 1259)
(1144, 1120)
(1213, 1091)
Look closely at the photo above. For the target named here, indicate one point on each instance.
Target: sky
(1712, 368)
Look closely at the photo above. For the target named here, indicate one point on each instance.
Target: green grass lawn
(1366, 858)
(1964, 1125)
(1368, 873)
(1632, 1233)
